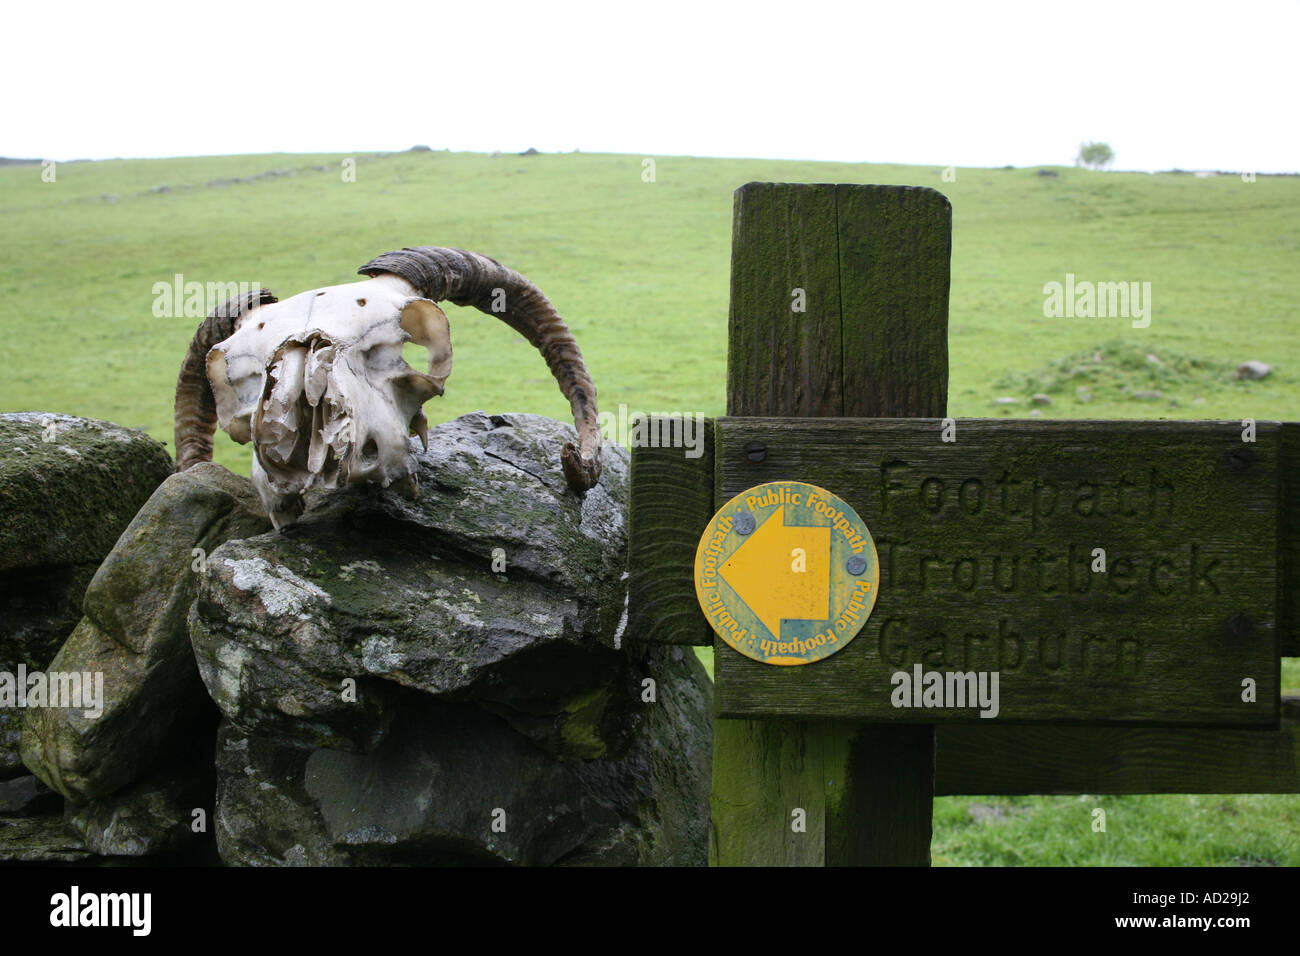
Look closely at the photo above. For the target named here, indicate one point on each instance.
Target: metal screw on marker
(744, 523)
(756, 451)
(856, 564)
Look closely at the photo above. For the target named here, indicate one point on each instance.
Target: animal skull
(318, 383)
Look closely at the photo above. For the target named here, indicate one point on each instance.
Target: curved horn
(196, 411)
(468, 278)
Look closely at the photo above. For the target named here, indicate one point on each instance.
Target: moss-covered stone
(146, 703)
(495, 584)
(68, 488)
(41, 839)
(38, 610)
(135, 633)
(157, 814)
(11, 733)
(431, 791)
(141, 595)
(388, 687)
(392, 672)
(492, 482)
(26, 796)
(283, 621)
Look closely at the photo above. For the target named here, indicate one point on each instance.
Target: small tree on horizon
(1094, 155)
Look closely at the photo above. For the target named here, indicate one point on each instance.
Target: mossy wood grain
(1290, 540)
(671, 502)
(872, 264)
(894, 245)
(820, 793)
(784, 350)
(1013, 759)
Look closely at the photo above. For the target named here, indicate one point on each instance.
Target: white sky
(1170, 84)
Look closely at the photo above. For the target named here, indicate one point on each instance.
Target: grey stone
(395, 594)
(155, 815)
(25, 796)
(490, 481)
(1042, 399)
(430, 792)
(38, 610)
(476, 687)
(984, 812)
(135, 633)
(1252, 370)
(11, 732)
(40, 839)
(65, 501)
(141, 595)
(68, 487)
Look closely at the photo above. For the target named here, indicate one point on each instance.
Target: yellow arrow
(762, 571)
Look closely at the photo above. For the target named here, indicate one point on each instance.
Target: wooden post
(839, 307)
(1187, 608)
(1061, 758)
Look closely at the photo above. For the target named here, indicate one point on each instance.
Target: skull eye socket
(381, 355)
(427, 326)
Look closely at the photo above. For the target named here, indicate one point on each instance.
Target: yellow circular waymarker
(786, 573)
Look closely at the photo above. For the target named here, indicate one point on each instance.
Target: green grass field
(640, 271)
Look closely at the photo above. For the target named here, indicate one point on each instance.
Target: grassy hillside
(640, 271)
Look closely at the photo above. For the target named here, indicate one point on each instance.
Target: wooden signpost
(1108, 572)
(1076, 606)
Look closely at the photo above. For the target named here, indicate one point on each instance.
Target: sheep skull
(318, 383)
